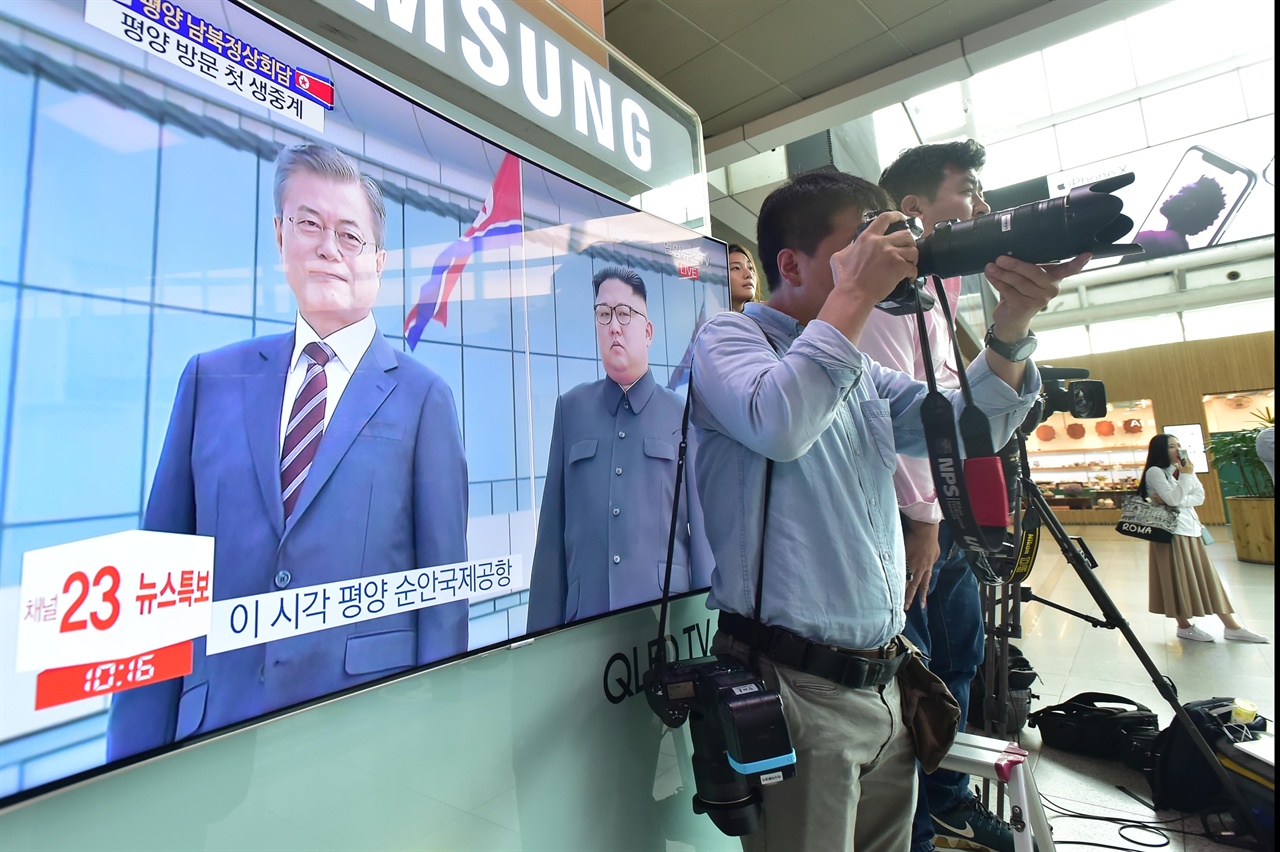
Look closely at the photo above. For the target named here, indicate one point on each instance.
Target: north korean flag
(313, 86)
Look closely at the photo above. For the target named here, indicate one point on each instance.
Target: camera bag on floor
(1094, 723)
(1181, 778)
(1020, 678)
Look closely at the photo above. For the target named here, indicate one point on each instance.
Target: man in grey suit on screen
(606, 506)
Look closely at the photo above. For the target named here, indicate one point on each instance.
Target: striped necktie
(306, 426)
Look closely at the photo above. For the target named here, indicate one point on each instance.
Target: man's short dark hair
(627, 276)
(798, 215)
(921, 170)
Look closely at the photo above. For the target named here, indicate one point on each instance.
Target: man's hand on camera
(1025, 289)
(866, 271)
(921, 543)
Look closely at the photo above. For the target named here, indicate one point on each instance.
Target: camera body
(740, 737)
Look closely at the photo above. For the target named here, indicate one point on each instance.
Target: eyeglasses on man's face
(606, 313)
(349, 241)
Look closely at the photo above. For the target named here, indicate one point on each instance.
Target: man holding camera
(937, 183)
(798, 433)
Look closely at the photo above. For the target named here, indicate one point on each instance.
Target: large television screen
(304, 386)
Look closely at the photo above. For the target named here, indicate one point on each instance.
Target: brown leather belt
(855, 668)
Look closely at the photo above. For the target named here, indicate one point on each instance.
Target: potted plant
(1253, 507)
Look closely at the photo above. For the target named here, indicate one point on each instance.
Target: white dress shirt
(348, 344)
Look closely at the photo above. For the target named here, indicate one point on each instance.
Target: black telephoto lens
(1088, 219)
(723, 794)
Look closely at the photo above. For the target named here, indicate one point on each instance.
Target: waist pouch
(928, 709)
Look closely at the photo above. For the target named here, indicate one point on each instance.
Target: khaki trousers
(855, 781)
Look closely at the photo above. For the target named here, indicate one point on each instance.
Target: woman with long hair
(744, 281)
(1183, 581)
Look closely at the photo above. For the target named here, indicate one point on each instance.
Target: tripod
(1078, 557)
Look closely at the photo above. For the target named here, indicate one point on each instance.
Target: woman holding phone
(1184, 583)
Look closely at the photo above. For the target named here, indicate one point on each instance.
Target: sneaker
(1244, 634)
(970, 825)
(1194, 634)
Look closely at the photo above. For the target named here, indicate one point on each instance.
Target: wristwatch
(1019, 350)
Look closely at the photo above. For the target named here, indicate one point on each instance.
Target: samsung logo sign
(503, 52)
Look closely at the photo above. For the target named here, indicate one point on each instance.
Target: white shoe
(1195, 634)
(1243, 634)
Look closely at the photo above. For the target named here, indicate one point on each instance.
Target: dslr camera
(1088, 219)
(740, 738)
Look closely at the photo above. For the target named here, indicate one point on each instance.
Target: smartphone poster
(1205, 190)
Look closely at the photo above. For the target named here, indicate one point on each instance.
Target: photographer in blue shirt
(785, 381)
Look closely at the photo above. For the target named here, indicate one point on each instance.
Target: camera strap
(675, 519)
(943, 442)
(986, 480)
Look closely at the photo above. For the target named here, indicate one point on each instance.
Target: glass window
(938, 113)
(1062, 343)
(1009, 95)
(536, 396)
(484, 299)
(1230, 320)
(273, 299)
(489, 427)
(79, 398)
(90, 155)
(577, 371)
(8, 328)
(446, 362)
(1194, 108)
(1119, 335)
(176, 336)
(17, 91)
(575, 323)
(1259, 85)
(680, 315)
(1089, 68)
(205, 244)
(1021, 158)
(389, 309)
(536, 313)
(1101, 135)
(426, 236)
(1185, 35)
(894, 133)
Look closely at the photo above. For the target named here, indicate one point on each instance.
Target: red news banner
(112, 613)
(120, 611)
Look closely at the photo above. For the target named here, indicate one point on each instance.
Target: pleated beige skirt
(1183, 582)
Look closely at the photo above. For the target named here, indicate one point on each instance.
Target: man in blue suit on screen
(311, 457)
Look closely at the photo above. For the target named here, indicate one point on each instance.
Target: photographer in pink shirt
(936, 183)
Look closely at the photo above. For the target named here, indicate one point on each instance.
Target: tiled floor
(1073, 657)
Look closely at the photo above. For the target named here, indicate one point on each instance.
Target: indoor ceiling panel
(769, 102)
(803, 33)
(723, 18)
(880, 52)
(717, 80)
(654, 37)
(894, 12)
(957, 18)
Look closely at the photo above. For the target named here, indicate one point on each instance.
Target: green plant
(1240, 450)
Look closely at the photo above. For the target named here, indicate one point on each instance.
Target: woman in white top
(1183, 581)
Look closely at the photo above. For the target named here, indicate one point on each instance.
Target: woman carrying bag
(1183, 580)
